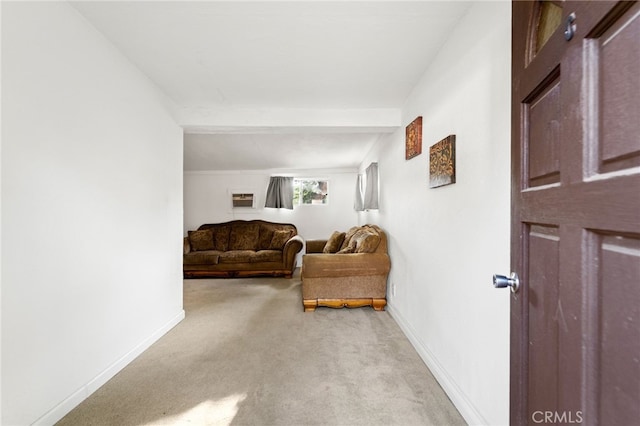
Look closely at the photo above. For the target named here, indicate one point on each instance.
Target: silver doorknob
(501, 281)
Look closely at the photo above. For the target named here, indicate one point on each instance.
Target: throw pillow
(334, 242)
(346, 250)
(367, 242)
(279, 239)
(353, 243)
(348, 236)
(201, 240)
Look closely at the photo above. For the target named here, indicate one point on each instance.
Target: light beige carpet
(247, 354)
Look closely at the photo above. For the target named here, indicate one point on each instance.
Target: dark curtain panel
(280, 193)
(371, 188)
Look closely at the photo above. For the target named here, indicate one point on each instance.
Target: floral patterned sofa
(240, 249)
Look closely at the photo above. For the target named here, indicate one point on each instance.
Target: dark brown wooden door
(575, 321)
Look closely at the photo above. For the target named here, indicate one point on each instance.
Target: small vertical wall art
(413, 143)
(442, 162)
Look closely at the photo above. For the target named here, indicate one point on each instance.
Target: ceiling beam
(290, 120)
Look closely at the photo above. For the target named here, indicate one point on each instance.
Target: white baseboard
(455, 394)
(62, 409)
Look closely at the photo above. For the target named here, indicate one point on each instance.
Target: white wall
(446, 243)
(1, 240)
(207, 200)
(91, 212)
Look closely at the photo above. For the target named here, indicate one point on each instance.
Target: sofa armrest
(315, 246)
(291, 248)
(186, 246)
(342, 265)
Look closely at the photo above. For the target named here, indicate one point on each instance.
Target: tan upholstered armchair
(348, 270)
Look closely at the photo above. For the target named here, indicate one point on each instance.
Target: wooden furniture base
(310, 305)
(237, 274)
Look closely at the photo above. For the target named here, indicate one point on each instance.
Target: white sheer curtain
(371, 187)
(280, 193)
(358, 203)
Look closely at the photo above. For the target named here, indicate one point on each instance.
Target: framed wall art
(413, 143)
(442, 162)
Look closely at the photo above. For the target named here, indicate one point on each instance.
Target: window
(310, 191)
(366, 196)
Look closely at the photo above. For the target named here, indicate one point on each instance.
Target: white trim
(451, 388)
(274, 172)
(62, 409)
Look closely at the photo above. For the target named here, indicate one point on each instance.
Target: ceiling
(279, 85)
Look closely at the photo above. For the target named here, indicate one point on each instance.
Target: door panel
(542, 144)
(575, 323)
(618, 87)
(543, 288)
(619, 338)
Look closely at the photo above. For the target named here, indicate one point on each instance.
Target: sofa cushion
(279, 239)
(201, 240)
(207, 257)
(266, 234)
(244, 237)
(236, 256)
(334, 242)
(221, 237)
(267, 256)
